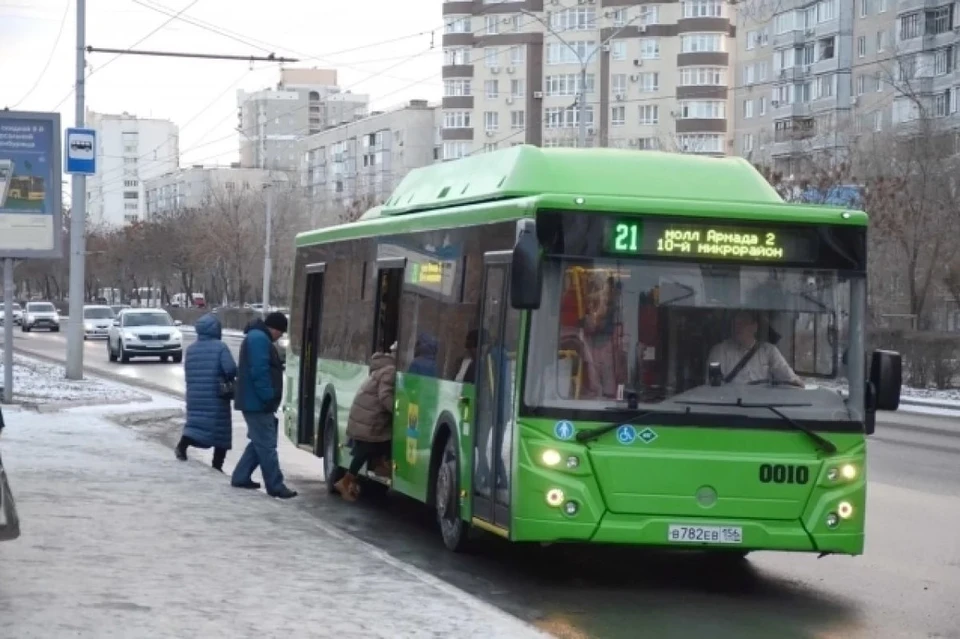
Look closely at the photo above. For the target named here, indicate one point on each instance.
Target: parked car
(40, 315)
(17, 314)
(97, 321)
(144, 332)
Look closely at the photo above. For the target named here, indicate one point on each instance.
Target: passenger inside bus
(744, 359)
(466, 369)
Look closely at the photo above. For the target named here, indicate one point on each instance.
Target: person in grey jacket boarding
(258, 392)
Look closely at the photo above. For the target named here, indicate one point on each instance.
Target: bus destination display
(652, 237)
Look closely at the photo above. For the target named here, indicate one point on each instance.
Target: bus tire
(331, 471)
(454, 531)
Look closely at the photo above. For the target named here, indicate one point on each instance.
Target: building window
(700, 42)
(454, 56)
(518, 120)
(518, 88)
(491, 121)
(825, 86)
(567, 84)
(565, 117)
(574, 19)
(618, 116)
(131, 183)
(762, 106)
(826, 10)
(490, 57)
(517, 23)
(491, 89)
(491, 25)
(619, 17)
(703, 9)
(618, 50)
(700, 143)
(703, 110)
(131, 195)
(649, 82)
(649, 14)
(878, 77)
(518, 56)
(454, 150)
(864, 8)
(457, 25)
(456, 87)
(826, 48)
(942, 59)
(861, 84)
(703, 76)
(456, 120)
(861, 46)
(560, 53)
(938, 20)
(881, 41)
(911, 26)
(490, 146)
(941, 104)
(618, 83)
(752, 40)
(747, 145)
(649, 48)
(648, 144)
(649, 114)
(747, 109)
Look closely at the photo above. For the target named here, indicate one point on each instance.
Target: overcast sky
(374, 45)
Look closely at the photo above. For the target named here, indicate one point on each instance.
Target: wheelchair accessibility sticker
(563, 430)
(626, 434)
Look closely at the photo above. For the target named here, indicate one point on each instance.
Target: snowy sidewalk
(121, 540)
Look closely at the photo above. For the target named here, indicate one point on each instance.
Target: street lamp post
(268, 240)
(584, 61)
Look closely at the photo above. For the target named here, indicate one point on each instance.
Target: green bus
(603, 346)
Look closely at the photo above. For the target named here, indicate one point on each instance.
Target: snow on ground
(40, 382)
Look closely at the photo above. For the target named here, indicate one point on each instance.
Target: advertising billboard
(30, 188)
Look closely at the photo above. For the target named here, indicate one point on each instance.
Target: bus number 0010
(784, 474)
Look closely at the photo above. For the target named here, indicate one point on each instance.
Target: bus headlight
(848, 471)
(550, 457)
(554, 497)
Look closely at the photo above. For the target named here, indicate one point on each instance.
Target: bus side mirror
(526, 275)
(886, 377)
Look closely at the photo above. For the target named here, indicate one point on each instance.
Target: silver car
(40, 315)
(144, 332)
(97, 321)
(17, 314)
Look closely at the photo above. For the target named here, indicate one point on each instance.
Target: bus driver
(745, 360)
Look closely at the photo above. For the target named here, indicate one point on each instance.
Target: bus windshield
(684, 337)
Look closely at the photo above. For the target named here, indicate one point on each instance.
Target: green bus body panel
(626, 494)
(630, 493)
(528, 170)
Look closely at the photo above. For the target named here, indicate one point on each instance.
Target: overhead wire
(117, 56)
(302, 107)
(46, 66)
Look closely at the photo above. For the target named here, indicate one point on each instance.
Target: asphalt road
(907, 584)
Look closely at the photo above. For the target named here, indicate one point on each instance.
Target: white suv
(40, 315)
(144, 332)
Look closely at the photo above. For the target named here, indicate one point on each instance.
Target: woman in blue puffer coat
(208, 363)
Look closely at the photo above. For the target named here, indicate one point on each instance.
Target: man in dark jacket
(258, 392)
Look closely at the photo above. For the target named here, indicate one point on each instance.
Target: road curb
(120, 379)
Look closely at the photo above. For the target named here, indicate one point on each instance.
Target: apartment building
(304, 102)
(818, 76)
(655, 75)
(193, 187)
(364, 160)
(129, 151)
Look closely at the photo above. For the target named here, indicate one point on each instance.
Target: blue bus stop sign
(80, 151)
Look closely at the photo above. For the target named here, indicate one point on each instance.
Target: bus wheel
(331, 472)
(453, 529)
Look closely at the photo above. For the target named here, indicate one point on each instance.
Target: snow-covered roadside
(40, 382)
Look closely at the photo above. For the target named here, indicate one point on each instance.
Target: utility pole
(268, 240)
(8, 330)
(582, 107)
(78, 214)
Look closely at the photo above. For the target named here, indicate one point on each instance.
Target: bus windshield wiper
(600, 431)
(823, 443)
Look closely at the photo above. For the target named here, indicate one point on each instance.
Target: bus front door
(495, 384)
(312, 307)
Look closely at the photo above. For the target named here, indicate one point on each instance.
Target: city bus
(563, 322)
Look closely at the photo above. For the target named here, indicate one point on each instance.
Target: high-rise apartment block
(814, 78)
(304, 102)
(656, 74)
(129, 151)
